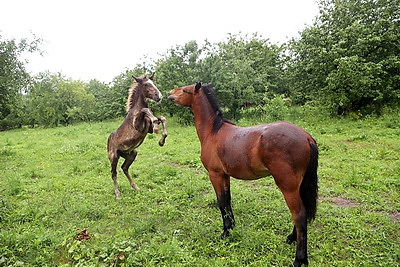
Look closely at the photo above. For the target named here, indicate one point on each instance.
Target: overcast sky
(88, 39)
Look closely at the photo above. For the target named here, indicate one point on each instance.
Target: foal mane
(218, 119)
(133, 97)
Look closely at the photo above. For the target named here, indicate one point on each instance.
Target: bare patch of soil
(343, 202)
(395, 216)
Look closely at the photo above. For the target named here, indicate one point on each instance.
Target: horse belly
(240, 155)
(128, 144)
(249, 174)
(244, 167)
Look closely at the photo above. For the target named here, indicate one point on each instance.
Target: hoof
(161, 143)
(225, 234)
(156, 130)
(299, 263)
(118, 197)
(291, 239)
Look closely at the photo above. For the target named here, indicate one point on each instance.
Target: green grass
(55, 181)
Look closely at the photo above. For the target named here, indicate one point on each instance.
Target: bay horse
(280, 149)
(138, 122)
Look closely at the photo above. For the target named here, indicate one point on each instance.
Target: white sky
(96, 39)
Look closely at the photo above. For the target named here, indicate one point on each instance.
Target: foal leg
(113, 157)
(129, 158)
(221, 184)
(153, 119)
(164, 133)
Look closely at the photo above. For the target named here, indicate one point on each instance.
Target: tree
(349, 60)
(103, 106)
(13, 78)
(54, 100)
(180, 66)
(243, 69)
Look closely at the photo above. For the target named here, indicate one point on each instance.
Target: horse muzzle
(157, 98)
(171, 97)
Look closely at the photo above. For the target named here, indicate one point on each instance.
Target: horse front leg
(152, 118)
(164, 133)
(221, 184)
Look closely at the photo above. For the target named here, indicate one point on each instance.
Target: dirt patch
(343, 202)
(395, 216)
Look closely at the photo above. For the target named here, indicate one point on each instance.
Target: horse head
(149, 88)
(183, 96)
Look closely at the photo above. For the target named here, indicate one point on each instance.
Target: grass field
(55, 181)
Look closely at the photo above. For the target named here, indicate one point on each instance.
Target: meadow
(58, 208)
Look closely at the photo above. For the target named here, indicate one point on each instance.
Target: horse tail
(309, 185)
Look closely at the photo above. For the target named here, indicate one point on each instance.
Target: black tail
(309, 186)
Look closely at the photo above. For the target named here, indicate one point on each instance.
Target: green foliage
(55, 100)
(349, 59)
(347, 62)
(180, 66)
(242, 69)
(13, 78)
(272, 109)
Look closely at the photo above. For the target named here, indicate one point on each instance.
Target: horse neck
(203, 116)
(139, 102)
(136, 99)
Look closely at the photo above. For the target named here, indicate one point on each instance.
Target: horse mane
(132, 96)
(218, 119)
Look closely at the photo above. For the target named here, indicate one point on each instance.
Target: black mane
(219, 119)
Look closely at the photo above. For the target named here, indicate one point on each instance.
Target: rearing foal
(138, 122)
(280, 149)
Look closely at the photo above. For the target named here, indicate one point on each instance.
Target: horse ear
(137, 79)
(152, 76)
(197, 87)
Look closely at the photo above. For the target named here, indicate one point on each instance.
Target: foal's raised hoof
(156, 129)
(161, 142)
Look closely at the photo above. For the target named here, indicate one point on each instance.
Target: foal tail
(309, 185)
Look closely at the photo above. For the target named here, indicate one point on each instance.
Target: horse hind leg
(288, 183)
(113, 157)
(292, 237)
(129, 158)
(299, 233)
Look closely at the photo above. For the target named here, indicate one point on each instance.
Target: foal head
(148, 87)
(143, 87)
